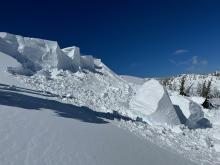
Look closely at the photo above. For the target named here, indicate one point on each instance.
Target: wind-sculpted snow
(152, 103)
(36, 54)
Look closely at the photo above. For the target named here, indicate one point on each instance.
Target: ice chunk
(192, 112)
(152, 103)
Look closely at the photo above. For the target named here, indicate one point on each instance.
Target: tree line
(203, 90)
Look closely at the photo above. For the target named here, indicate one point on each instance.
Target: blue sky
(137, 37)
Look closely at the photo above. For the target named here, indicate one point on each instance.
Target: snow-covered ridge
(36, 54)
(194, 82)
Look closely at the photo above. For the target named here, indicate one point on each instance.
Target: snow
(216, 101)
(193, 82)
(217, 147)
(192, 113)
(133, 79)
(87, 62)
(84, 116)
(35, 54)
(74, 54)
(59, 140)
(5, 62)
(35, 129)
(183, 103)
(198, 100)
(153, 104)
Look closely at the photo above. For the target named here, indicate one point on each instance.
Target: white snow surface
(152, 103)
(38, 128)
(183, 103)
(198, 100)
(31, 136)
(5, 62)
(57, 116)
(133, 79)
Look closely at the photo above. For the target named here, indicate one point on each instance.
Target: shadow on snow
(11, 97)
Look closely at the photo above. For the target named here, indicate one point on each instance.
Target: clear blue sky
(142, 38)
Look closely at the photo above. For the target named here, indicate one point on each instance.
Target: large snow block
(34, 53)
(153, 105)
(193, 114)
(87, 62)
(74, 54)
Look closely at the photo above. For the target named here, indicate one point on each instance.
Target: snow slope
(61, 116)
(33, 134)
(133, 79)
(153, 104)
(36, 129)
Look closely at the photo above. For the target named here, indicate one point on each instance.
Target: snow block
(153, 105)
(74, 54)
(87, 62)
(36, 54)
(192, 112)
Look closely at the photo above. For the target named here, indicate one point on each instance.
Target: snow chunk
(152, 103)
(217, 147)
(192, 114)
(177, 129)
(183, 104)
(33, 53)
(198, 100)
(87, 62)
(74, 54)
(36, 54)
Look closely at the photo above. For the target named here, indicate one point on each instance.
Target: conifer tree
(208, 89)
(182, 86)
(203, 89)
